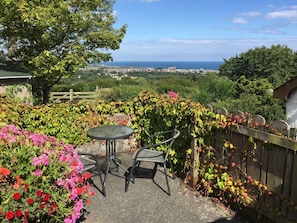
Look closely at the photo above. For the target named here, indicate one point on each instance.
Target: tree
(53, 39)
(278, 64)
(213, 88)
(255, 97)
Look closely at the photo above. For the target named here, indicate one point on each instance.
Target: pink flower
(36, 161)
(73, 194)
(42, 159)
(68, 220)
(172, 94)
(78, 208)
(60, 182)
(38, 139)
(37, 173)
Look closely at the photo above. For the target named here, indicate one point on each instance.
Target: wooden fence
(72, 96)
(267, 158)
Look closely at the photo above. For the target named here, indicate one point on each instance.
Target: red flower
(9, 215)
(18, 183)
(80, 180)
(16, 196)
(80, 190)
(30, 201)
(18, 213)
(4, 171)
(87, 175)
(26, 188)
(47, 197)
(74, 164)
(39, 193)
(26, 214)
(53, 208)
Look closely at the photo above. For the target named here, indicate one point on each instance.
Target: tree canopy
(255, 97)
(53, 39)
(278, 64)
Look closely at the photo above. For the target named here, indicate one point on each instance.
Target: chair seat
(149, 155)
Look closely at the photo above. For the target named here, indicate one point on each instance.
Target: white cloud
(245, 16)
(270, 31)
(250, 13)
(240, 20)
(284, 14)
(193, 49)
(189, 41)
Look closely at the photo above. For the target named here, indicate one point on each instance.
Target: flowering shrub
(172, 94)
(40, 178)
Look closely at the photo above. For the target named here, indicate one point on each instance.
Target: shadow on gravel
(235, 219)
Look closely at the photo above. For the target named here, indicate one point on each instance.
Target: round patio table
(110, 133)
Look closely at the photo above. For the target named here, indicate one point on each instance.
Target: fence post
(71, 95)
(194, 159)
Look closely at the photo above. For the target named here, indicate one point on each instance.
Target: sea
(206, 65)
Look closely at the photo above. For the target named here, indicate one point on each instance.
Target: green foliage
(150, 113)
(214, 88)
(244, 94)
(205, 89)
(56, 38)
(255, 96)
(11, 111)
(277, 64)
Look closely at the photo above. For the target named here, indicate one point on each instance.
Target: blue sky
(202, 30)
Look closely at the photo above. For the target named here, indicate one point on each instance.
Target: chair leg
(137, 164)
(94, 163)
(100, 177)
(166, 178)
(171, 167)
(128, 178)
(155, 170)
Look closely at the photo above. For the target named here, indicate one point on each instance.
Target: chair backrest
(165, 138)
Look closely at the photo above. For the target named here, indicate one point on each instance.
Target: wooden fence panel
(71, 96)
(271, 160)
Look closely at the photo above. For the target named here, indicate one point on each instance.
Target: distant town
(119, 72)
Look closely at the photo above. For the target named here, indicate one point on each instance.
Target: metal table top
(110, 132)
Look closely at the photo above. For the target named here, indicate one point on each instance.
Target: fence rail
(71, 96)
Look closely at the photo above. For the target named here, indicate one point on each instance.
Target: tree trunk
(45, 93)
(11, 48)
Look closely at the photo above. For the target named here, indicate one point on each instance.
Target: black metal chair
(156, 150)
(91, 162)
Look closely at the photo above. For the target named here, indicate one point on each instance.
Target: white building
(288, 92)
